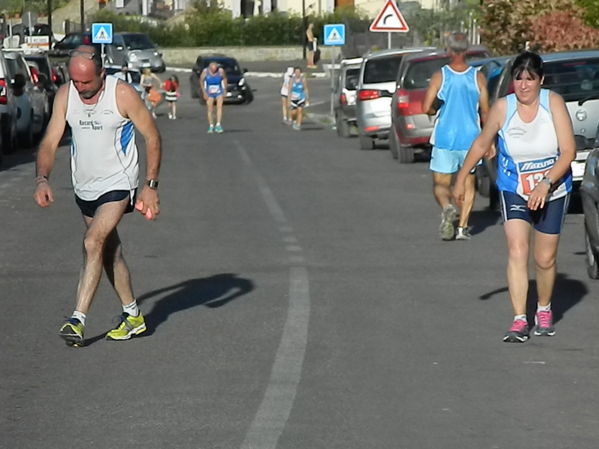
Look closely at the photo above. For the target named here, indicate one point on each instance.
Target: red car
(411, 128)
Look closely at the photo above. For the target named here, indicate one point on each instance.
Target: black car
(238, 90)
(70, 42)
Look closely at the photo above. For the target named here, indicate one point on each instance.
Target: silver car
(139, 52)
(344, 95)
(376, 85)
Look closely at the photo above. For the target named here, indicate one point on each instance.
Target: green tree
(591, 11)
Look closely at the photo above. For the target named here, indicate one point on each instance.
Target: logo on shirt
(536, 165)
(92, 125)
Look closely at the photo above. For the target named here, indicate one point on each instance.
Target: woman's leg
(517, 233)
(545, 253)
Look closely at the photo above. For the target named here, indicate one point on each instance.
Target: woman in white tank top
(536, 147)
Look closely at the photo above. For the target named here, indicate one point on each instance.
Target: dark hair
(527, 61)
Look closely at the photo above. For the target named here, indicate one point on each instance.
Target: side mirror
(245, 70)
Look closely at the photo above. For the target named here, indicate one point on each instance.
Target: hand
(538, 196)
(43, 195)
(458, 193)
(148, 203)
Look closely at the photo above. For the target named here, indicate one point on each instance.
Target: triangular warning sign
(334, 36)
(101, 35)
(389, 19)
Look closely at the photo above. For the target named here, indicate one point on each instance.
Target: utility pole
(304, 29)
(82, 13)
(49, 25)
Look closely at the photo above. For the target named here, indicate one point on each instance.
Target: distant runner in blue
(213, 82)
(459, 93)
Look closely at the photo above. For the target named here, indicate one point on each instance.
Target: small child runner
(171, 89)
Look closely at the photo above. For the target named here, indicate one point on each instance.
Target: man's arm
(201, 81)
(431, 93)
(131, 106)
(46, 152)
(483, 101)
(225, 82)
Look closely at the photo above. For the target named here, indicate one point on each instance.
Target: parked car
(575, 76)
(376, 84)
(32, 98)
(411, 127)
(8, 109)
(44, 73)
(344, 95)
(589, 192)
(134, 76)
(70, 42)
(138, 51)
(238, 89)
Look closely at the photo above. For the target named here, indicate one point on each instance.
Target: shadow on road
(566, 294)
(213, 292)
(483, 219)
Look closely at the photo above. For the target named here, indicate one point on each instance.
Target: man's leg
(116, 268)
(219, 109)
(442, 188)
(106, 218)
(209, 108)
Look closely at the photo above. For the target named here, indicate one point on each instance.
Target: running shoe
(446, 228)
(210, 129)
(296, 127)
(128, 327)
(463, 233)
(218, 129)
(518, 333)
(72, 332)
(544, 323)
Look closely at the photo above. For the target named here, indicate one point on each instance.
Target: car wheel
(592, 258)
(194, 92)
(342, 126)
(366, 143)
(483, 181)
(406, 154)
(393, 144)
(493, 197)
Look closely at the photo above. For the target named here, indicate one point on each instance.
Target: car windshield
(135, 75)
(41, 62)
(382, 70)
(231, 67)
(574, 79)
(351, 78)
(420, 72)
(138, 41)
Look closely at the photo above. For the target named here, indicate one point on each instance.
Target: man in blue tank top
(213, 82)
(462, 94)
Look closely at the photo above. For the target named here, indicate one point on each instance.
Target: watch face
(152, 183)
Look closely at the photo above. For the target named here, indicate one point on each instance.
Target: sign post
(102, 34)
(389, 20)
(334, 35)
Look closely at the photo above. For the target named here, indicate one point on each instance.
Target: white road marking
(275, 408)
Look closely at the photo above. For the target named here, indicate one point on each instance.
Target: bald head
(85, 70)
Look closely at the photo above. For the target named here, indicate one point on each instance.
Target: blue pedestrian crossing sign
(334, 34)
(102, 33)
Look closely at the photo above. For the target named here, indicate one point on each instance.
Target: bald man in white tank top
(103, 114)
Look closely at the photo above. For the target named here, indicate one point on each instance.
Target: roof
(567, 55)
(395, 51)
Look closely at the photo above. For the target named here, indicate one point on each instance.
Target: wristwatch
(547, 181)
(152, 184)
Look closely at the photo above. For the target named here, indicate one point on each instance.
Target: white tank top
(103, 152)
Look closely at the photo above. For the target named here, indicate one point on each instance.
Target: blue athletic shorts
(548, 220)
(448, 161)
(88, 208)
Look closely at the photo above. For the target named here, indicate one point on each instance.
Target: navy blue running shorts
(548, 220)
(88, 208)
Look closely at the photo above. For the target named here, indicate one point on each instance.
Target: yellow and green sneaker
(128, 327)
(72, 332)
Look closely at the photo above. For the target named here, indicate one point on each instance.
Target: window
(382, 70)
(573, 79)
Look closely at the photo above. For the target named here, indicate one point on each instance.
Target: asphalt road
(297, 297)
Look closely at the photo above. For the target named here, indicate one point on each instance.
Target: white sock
(546, 308)
(520, 317)
(131, 308)
(80, 316)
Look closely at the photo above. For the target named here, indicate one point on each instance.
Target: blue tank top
(213, 82)
(458, 123)
(297, 89)
(527, 151)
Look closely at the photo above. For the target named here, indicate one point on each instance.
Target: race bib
(530, 173)
(295, 96)
(214, 89)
